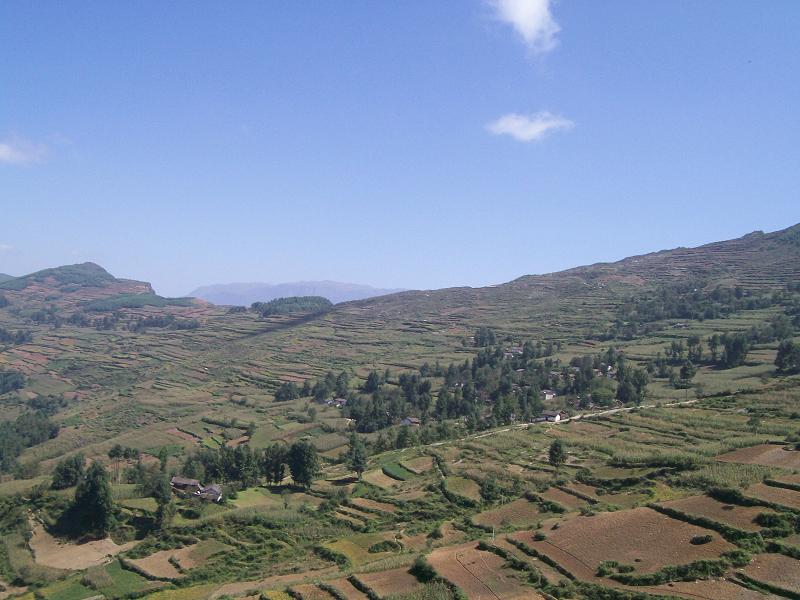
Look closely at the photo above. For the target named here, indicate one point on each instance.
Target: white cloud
(529, 128)
(15, 151)
(531, 19)
(6, 247)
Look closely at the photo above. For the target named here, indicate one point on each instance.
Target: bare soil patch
(708, 589)
(640, 537)
(775, 569)
(770, 455)
(563, 498)
(419, 465)
(380, 479)
(158, 565)
(309, 591)
(782, 496)
(183, 435)
(519, 513)
(479, 574)
(388, 583)
(374, 505)
(347, 589)
(51, 552)
(742, 517)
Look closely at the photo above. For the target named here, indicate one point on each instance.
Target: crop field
(640, 537)
(479, 574)
(776, 570)
(741, 517)
(516, 514)
(776, 495)
(466, 488)
(769, 455)
(389, 583)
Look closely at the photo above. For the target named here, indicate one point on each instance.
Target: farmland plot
(479, 574)
(782, 496)
(389, 583)
(741, 517)
(640, 537)
(50, 552)
(517, 514)
(777, 570)
(769, 455)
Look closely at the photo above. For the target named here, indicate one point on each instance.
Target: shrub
(699, 540)
(422, 570)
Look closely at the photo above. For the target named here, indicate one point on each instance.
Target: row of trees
(244, 466)
(690, 300)
(15, 338)
(28, 429)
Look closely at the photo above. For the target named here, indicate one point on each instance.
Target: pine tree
(557, 456)
(93, 503)
(357, 457)
(303, 463)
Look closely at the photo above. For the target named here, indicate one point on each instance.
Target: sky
(416, 144)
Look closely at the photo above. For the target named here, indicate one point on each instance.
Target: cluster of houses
(192, 487)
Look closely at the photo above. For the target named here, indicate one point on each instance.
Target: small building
(340, 402)
(552, 416)
(411, 422)
(548, 394)
(182, 484)
(212, 493)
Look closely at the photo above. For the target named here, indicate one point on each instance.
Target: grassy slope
(163, 377)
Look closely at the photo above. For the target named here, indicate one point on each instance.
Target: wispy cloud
(6, 247)
(531, 19)
(529, 128)
(16, 151)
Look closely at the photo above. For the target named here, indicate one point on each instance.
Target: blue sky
(402, 144)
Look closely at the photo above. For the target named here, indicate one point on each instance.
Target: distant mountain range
(244, 294)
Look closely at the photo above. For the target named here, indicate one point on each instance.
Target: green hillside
(677, 375)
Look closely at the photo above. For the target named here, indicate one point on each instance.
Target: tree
(788, 358)
(115, 454)
(93, 504)
(303, 463)
(273, 463)
(287, 391)
(735, 348)
(357, 456)
(713, 346)
(163, 456)
(688, 371)
(557, 456)
(68, 472)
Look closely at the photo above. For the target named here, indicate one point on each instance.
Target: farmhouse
(548, 394)
(212, 493)
(188, 486)
(411, 421)
(553, 416)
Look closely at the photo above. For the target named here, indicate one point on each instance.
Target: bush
(699, 540)
(422, 570)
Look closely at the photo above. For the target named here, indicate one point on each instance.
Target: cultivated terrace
(621, 431)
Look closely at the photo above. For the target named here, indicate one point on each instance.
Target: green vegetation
(294, 304)
(138, 301)
(354, 440)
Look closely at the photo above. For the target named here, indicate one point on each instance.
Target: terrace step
(347, 589)
(310, 591)
(549, 573)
